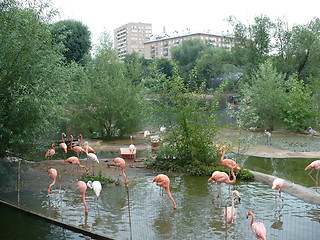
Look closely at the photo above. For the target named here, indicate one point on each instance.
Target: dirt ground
(106, 166)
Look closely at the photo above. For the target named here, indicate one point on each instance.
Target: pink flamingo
(164, 181)
(53, 174)
(222, 177)
(228, 163)
(121, 163)
(75, 160)
(230, 213)
(51, 151)
(278, 183)
(314, 165)
(82, 186)
(76, 149)
(258, 228)
(63, 145)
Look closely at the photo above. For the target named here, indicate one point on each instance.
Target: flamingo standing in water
(63, 145)
(230, 213)
(82, 187)
(53, 174)
(222, 177)
(278, 183)
(76, 149)
(228, 163)
(75, 160)
(164, 181)
(258, 228)
(51, 151)
(121, 163)
(314, 165)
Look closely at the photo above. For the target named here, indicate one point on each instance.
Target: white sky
(200, 15)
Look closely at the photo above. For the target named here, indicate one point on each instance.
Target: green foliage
(298, 113)
(264, 96)
(245, 174)
(186, 54)
(190, 120)
(108, 103)
(75, 36)
(31, 77)
(99, 178)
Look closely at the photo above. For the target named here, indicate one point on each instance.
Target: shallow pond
(152, 215)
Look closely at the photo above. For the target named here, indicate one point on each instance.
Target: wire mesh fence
(142, 210)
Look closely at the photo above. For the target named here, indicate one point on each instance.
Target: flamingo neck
(232, 201)
(171, 198)
(234, 177)
(124, 176)
(252, 219)
(222, 155)
(71, 142)
(80, 142)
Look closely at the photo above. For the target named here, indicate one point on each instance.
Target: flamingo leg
(317, 180)
(312, 177)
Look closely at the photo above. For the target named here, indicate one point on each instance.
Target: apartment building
(131, 38)
(159, 47)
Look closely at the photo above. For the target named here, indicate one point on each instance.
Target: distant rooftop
(156, 38)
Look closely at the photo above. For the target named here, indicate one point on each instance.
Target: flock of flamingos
(230, 213)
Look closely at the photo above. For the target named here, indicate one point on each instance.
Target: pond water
(151, 216)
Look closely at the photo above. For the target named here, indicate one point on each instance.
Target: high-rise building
(131, 38)
(159, 47)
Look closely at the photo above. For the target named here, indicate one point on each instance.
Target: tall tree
(186, 55)
(31, 76)
(109, 103)
(76, 38)
(191, 125)
(264, 96)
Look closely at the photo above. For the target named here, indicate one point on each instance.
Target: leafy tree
(110, 104)
(298, 113)
(76, 38)
(135, 69)
(31, 77)
(298, 50)
(252, 44)
(265, 96)
(191, 127)
(186, 54)
(214, 63)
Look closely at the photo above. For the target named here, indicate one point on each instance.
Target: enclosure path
(58, 223)
(272, 152)
(296, 190)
